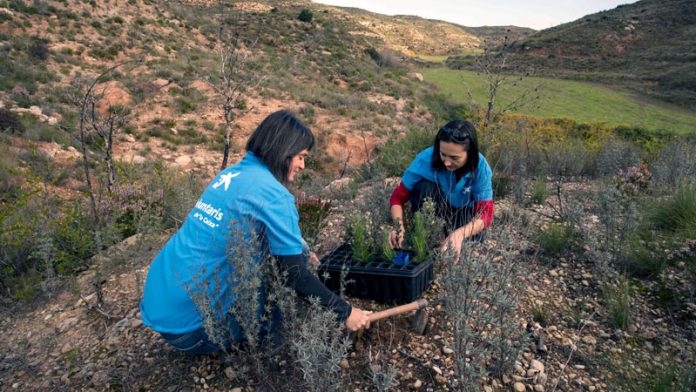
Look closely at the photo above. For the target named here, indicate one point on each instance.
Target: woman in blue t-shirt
(458, 179)
(245, 213)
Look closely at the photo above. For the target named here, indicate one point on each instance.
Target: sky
(537, 14)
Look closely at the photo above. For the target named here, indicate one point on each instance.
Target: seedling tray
(379, 280)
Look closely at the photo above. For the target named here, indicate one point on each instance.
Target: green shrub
(539, 191)
(619, 304)
(361, 238)
(556, 239)
(10, 122)
(305, 16)
(676, 213)
(419, 238)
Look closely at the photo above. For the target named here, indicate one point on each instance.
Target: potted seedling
(369, 260)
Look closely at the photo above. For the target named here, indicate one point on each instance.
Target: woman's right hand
(396, 239)
(358, 319)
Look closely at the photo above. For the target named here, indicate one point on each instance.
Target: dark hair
(460, 132)
(278, 138)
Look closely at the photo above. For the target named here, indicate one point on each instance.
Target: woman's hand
(358, 319)
(453, 243)
(397, 239)
(313, 260)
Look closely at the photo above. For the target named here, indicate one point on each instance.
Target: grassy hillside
(649, 45)
(581, 101)
(415, 36)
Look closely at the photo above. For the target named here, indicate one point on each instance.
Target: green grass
(581, 101)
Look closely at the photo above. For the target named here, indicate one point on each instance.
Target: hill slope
(412, 35)
(649, 45)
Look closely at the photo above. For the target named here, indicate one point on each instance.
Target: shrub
(539, 191)
(10, 122)
(676, 213)
(361, 237)
(38, 49)
(305, 16)
(674, 166)
(556, 239)
(619, 303)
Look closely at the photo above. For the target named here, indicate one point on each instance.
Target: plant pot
(379, 280)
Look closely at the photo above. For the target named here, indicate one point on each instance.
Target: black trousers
(454, 217)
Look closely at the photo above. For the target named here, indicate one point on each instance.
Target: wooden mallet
(419, 321)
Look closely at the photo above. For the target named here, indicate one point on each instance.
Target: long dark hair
(278, 138)
(461, 132)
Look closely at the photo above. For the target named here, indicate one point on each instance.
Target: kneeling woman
(458, 179)
(245, 212)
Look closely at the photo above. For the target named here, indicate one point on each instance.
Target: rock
(537, 365)
(437, 370)
(135, 323)
(416, 76)
(238, 389)
(539, 388)
(123, 324)
(129, 138)
(100, 378)
(553, 273)
(519, 387)
(447, 351)
(506, 379)
(589, 340)
(487, 389)
(183, 160)
(137, 159)
(173, 131)
(344, 364)
(10, 14)
(67, 324)
(417, 384)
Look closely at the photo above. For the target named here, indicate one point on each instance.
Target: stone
(238, 389)
(344, 364)
(519, 387)
(417, 384)
(447, 351)
(553, 273)
(437, 370)
(183, 160)
(589, 340)
(539, 388)
(487, 389)
(535, 364)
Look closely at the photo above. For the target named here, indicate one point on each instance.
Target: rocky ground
(89, 336)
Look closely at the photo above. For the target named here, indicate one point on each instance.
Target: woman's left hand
(453, 242)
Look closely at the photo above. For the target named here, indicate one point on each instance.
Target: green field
(581, 101)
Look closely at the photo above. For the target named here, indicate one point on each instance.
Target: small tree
(88, 99)
(493, 65)
(233, 82)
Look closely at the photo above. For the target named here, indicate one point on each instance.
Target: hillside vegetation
(649, 46)
(582, 101)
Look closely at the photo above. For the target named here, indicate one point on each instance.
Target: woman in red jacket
(457, 177)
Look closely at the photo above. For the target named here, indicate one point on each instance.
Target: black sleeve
(307, 284)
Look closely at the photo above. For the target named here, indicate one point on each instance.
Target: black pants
(454, 217)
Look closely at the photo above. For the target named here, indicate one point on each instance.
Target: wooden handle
(415, 305)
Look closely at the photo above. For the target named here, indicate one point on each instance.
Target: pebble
(230, 373)
(519, 387)
(447, 351)
(344, 364)
(589, 340)
(487, 389)
(539, 388)
(437, 370)
(535, 364)
(417, 384)
(238, 389)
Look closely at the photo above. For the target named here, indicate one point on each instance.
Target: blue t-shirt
(462, 193)
(244, 212)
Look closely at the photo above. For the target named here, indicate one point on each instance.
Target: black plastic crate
(381, 281)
